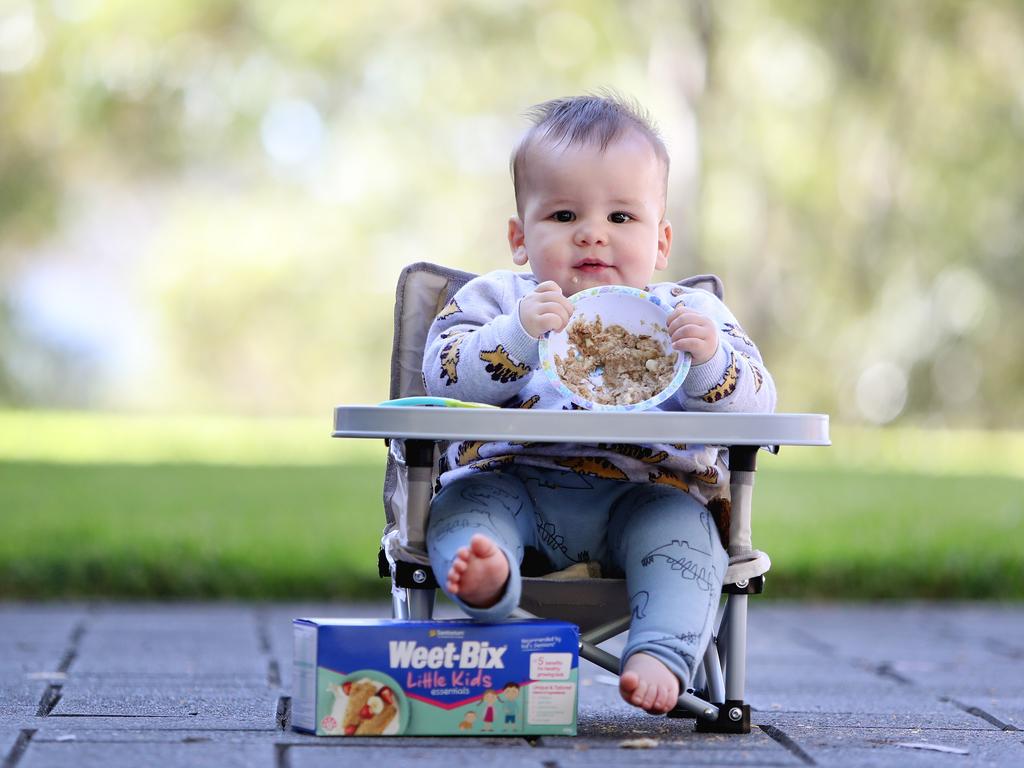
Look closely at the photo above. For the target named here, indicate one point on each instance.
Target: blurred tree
(253, 175)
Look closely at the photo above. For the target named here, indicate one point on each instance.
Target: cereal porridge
(633, 366)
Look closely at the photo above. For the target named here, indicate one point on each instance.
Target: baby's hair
(592, 118)
(510, 685)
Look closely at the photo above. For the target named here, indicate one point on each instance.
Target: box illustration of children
(488, 703)
(509, 701)
(467, 721)
(590, 180)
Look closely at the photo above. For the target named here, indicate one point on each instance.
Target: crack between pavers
(104, 714)
(885, 669)
(19, 747)
(886, 727)
(77, 633)
(1002, 648)
(284, 712)
(273, 673)
(51, 695)
(281, 757)
(263, 640)
(981, 713)
(807, 640)
(784, 739)
(262, 634)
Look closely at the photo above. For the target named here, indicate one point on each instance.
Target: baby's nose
(590, 234)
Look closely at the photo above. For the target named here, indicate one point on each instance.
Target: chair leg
(412, 604)
(713, 671)
(733, 715)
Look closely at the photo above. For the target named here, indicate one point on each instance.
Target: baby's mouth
(591, 267)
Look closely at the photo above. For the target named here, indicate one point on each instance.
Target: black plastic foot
(733, 717)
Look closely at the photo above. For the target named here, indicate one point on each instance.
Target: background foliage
(204, 205)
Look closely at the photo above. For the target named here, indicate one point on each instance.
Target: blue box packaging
(374, 677)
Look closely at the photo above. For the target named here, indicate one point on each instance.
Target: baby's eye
(563, 216)
(619, 217)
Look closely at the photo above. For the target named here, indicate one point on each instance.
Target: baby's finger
(689, 330)
(696, 347)
(551, 321)
(557, 307)
(552, 307)
(548, 286)
(696, 321)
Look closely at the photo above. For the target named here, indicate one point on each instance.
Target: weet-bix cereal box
(372, 677)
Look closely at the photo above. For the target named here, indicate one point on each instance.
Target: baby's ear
(517, 241)
(664, 244)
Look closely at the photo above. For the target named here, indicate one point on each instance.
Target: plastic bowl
(635, 310)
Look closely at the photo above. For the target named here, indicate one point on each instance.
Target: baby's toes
(664, 701)
(651, 699)
(641, 694)
(481, 546)
(634, 695)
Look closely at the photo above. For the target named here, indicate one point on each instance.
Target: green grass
(189, 531)
(866, 534)
(99, 506)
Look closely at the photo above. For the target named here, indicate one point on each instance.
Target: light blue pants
(662, 539)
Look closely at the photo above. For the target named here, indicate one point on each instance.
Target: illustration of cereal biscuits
(377, 713)
(358, 694)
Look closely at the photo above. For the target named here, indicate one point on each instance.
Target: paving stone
(35, 639)
(878, 747)
(578, 755)
(675, 754)
(96, 731)
(142, 755)
(314, 755)
(912, 722)
(215, 724)
(842, 684)
(1008, 710)
(20, 698)
(416, 742)
(848, 701)
(981, 621)
(8, 738)
(176, 640)
(956, 677)
(239, 703)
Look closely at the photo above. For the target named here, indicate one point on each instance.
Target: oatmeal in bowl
(616, 353)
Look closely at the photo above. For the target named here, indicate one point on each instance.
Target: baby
(590, 182)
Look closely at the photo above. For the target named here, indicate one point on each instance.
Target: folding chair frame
(717, 697)
(716, 700)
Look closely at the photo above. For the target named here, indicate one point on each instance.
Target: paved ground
(208, 684)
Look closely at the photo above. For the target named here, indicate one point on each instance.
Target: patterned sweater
(478, 350)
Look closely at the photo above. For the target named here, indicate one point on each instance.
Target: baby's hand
(546, 309)
(693, 332)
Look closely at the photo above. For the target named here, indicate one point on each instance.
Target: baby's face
(592, 217)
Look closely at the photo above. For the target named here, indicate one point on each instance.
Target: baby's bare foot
(479, 573)
(647, 683)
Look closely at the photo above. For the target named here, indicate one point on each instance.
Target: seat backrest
(423, 289)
